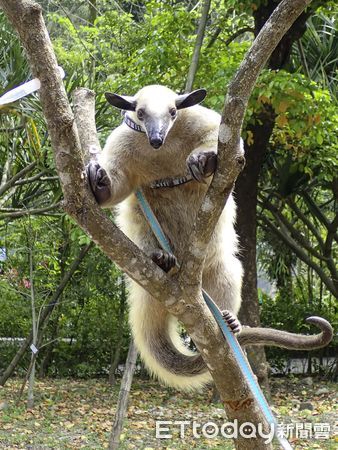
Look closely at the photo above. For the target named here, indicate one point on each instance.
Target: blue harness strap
(32, 86)
(227, 333)
(153, 222)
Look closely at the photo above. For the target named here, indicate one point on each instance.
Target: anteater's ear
(186, 100)
(121, 101)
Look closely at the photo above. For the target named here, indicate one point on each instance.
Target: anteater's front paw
(99, 182)
(163, 259)
(202, 165)
(232, 321)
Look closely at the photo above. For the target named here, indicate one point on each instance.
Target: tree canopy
(121, 46)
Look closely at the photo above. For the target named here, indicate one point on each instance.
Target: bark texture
(122, 402)
(246, 226)
(180, 293)
(247, 186)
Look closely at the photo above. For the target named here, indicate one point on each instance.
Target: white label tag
(24, 89)
(34, 349)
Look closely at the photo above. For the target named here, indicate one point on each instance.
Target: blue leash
(229, 336)
(19, 92)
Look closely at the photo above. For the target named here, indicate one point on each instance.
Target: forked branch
(187, 305)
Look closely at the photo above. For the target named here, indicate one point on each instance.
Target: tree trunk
(183, 291)
(31, 382)
(116, 355)
(281, 55)
(29, 371)
(92, 11)
(246, 226)
(334, 377)
(247, 187)
(48, 353)
(198, 44)
(309, 364)
(115, 362)
(122, 403)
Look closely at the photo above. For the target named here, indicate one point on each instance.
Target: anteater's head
(154, 108)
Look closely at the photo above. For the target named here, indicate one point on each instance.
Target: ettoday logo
(166, 429)
(211, 430)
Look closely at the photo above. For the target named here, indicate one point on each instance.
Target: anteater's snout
(156, 141)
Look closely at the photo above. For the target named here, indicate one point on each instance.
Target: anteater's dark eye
(140, 114)
(173, 112)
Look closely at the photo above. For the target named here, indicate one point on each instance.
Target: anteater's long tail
(292, 341)
(165, 355)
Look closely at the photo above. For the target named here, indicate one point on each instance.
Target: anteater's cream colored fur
(130, 162)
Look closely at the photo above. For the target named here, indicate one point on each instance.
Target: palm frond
(316, 54)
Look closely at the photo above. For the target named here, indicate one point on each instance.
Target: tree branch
(17, 177)
(26, 17)
(183, 299)
(314, 208)
(330, 236)
(296, 236)
(12, 130)
(230, 158)
(189, 307)
(301, 254)
(231, 38)
(84, 112)
(14, 214)
(198, 45)
(6, 169)
(38, 177)
(306, 221)
(294, 233)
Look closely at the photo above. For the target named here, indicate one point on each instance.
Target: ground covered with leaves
(78, 415)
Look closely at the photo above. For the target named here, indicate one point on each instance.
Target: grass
(78, 414)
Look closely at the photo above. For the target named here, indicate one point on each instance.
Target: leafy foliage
(317, 52)
(121, 47)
